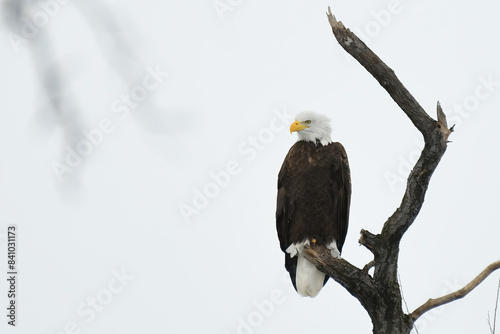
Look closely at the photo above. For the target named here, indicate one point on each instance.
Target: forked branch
(380, 295)
(435, 140)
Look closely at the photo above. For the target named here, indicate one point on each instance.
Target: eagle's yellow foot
(314, 241)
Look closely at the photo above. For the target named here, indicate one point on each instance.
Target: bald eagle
(314, 195)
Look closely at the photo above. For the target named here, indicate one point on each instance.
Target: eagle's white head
(311, 126)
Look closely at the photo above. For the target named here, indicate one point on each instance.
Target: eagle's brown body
(314, 191)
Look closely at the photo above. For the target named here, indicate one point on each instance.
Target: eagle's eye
(307, 122)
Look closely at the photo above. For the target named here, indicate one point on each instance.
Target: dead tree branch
(433, 303)
(355, 280)
(382, 73)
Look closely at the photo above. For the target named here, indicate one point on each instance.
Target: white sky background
(222, 271)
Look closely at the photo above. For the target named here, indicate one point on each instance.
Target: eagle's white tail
(308, 279)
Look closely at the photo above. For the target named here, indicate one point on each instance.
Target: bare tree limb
(433, 303)
(350, 276)
(382, 73)
(355, 280)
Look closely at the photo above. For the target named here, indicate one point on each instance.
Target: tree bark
(380, 294)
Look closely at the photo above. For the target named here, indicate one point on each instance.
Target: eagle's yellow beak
(297, 126)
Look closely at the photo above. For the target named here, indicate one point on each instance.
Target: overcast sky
(141, 144)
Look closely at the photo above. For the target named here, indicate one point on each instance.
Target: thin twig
(493, 328)
(403, 298)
